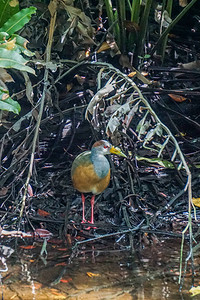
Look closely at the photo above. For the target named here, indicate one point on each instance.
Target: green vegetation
(12, 49)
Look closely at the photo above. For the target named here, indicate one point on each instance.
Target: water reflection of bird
(91, 172)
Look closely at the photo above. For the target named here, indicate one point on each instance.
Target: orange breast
(85, 180)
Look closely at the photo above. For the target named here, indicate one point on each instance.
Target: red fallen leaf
(63, 280)
(177, 98)
(162, 194)
(62, 249)
(37, 285)
(56, 241)
(42, 233)
(43, 213)
(57, 293)
(61, 264)
(28, 247)
(30, 190)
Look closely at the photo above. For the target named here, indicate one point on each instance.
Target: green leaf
(21, 44)
(12, 59)
(8, 104)
(163, 163)
(7, 9)
(18, 20)
(159, 130)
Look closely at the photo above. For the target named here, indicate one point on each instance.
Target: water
(97, 271)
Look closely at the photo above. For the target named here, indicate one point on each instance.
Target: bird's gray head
(102, 146)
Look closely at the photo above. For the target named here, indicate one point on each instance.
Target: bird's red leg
(92, 209)
(83, 206)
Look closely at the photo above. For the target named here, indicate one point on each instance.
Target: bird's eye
(105, 146)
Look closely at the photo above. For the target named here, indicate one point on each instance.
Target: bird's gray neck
(101, 164)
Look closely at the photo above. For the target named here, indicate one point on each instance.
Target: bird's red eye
(105, 146)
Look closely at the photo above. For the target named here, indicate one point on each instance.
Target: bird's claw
(84, 221)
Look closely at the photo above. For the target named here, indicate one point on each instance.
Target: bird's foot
(84, 221)
(92, 225)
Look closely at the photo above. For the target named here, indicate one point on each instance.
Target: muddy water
(95, 272)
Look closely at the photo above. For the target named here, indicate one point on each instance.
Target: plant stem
(143, 27)
(169, 28)
(121, 10)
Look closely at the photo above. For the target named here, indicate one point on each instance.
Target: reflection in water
(95, 273)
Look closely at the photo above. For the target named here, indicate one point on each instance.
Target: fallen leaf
(69, 86)
(37, 285)
(131, 26)
(42, 233)
(132, 74)
(57, 293)
(196, 201)
(195, 290)
(104, 46)
(30, 191)
(177, 98)
(5, 77)
(28, 247)
(43, 213)
(90, 274)
(183, 3)
(55, 242)
(61, 264)
(63, 280)
(62, 249)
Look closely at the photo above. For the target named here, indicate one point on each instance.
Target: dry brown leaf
(131, 26)
(183, 3)
(4, 76)
(105, 46)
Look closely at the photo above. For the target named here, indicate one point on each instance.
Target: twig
(53, 11)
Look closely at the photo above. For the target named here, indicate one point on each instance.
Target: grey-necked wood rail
(91, 172)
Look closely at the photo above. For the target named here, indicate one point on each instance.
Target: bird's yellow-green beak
(117, 151)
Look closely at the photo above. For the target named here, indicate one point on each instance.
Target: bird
(90, 172)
